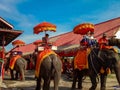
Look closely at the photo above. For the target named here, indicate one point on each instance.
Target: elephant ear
(112, 42)
(118, 43)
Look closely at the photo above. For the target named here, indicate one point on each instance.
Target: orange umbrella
(44, 26)
(83, 28)
(18, 43)
(37, 42)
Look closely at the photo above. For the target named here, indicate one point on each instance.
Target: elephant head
(106, 58)
(112, 60)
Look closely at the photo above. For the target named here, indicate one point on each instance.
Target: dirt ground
(65, 84)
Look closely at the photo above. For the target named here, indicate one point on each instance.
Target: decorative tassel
(102, 70)
(116, 50)
(108, 70)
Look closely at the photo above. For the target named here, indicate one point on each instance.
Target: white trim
(6, 22)
(117, 34)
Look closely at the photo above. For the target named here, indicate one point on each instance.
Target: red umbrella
(18, 43)
(44, 26)
(83, 28)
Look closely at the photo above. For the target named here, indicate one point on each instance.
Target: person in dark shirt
(45, 42)
(45, 39)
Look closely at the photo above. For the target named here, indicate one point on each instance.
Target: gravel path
(65, 84)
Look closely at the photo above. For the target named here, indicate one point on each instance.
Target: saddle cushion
(13, 60)
(40, 58)
(81, 59)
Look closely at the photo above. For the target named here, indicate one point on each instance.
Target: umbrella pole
(3, 56)
(45, 32)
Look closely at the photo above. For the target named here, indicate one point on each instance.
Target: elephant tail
(56, 64)
(25, 63)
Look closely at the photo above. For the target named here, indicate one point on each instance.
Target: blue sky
(65, 14)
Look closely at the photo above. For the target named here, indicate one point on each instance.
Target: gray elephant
(50, 69)
(19, 67)
(108, 59)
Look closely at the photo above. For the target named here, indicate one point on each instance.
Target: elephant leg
(12, 74)
(46, 85)
(56, 80)
(22, 75)
(75, 74)
(38, 86)
(16, 75)
(80, 76)
(117, 72)
(93, 81)
(103, 78)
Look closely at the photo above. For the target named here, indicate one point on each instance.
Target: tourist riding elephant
(99, 62)
(50, 69)
(20, 66)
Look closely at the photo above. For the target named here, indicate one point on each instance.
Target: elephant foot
(22, 79)
(103, 88)
(16, 79)
(80, 87)
(73, 86)
(73, 89)
(37, 88)
(12, 79)
(92, 88)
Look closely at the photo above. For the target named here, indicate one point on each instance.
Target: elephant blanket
(13, 60)
(81, 61)
(40, 58)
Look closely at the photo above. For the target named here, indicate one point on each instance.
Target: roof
(7, 35)
(64, 41)
(27, 49)
(5, 24)
(109, 27)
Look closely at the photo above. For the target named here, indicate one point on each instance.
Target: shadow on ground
(33, 88)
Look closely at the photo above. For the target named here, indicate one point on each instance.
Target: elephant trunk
(117, 72)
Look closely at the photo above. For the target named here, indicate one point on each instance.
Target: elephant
(19, 67)
(107, 59)
(50, 69)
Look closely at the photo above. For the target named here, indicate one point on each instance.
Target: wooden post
(3, 58)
